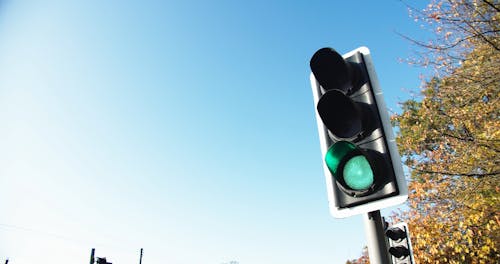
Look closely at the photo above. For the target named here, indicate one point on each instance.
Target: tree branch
(495, 173)
(492, 5)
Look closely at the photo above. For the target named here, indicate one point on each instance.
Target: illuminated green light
(358, 174)
(336, 153)
(349, 166)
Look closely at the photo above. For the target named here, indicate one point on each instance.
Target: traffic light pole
(375, 237)
(92, 256)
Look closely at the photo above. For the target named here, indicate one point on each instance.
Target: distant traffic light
(102, 261)
(400, 249)
(361, 162)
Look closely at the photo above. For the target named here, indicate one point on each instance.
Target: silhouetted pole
(140, 259)
(375, 236)
(92, 256)
(6, 261)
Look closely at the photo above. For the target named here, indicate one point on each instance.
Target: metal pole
(140, 259)
(92, 256)
(375, 237)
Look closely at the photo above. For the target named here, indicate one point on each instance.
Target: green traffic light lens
(357, 173)
(350, 167)
(336, 154)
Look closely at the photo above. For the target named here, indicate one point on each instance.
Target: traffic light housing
(362, 165)
(102, 261)
(399, 242)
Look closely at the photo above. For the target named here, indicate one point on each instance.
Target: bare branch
(495, 173)
(492, 5)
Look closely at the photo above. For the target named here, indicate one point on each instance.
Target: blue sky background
(183, 127)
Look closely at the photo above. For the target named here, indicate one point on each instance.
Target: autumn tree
(449, 137)
(361, 260)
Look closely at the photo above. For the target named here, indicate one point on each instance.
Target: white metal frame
(390, 139)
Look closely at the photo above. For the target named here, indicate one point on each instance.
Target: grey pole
(92, 252)
(140, 259)
(375, 237)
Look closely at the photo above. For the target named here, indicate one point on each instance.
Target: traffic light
(400, 249)
(361, 162)
(102, 261)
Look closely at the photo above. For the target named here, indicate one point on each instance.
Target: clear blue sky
(183, 127)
